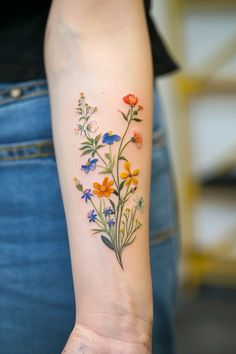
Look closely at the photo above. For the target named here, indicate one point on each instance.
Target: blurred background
(199, 104)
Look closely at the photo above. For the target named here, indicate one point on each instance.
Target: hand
(85, 341)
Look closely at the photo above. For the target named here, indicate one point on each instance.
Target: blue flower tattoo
(87, 195)
(90, 165)
(109, 138)
(108, 211)
(111, 222)
(92, 216)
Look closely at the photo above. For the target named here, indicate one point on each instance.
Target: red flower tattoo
(130, 100)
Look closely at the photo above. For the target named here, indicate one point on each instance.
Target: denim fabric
(36, 291)
(163, 239)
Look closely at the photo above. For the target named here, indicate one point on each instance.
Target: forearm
(105, 64)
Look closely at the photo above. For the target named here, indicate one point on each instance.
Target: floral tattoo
(116, 223)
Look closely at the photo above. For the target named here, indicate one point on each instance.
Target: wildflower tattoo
(114, 222)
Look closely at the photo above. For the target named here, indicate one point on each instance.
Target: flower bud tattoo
(113, 221)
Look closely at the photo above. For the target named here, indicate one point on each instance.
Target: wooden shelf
(218, 265)
(205, 268)
(196, 84)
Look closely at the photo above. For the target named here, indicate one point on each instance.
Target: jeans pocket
(36, 280)
(162, 195)
(30, 197)
(26, 150)
(24, 112)
(20, 91)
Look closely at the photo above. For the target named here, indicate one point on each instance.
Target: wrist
(122, 327)
(123, 310)
(85, 338)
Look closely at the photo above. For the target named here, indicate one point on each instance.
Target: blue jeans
(36, 293)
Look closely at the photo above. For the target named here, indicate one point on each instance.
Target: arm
(97, 53)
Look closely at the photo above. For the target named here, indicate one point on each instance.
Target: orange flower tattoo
(137, 139)
(104, 189)
(130, 99)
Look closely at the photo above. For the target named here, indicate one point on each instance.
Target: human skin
(101, 49)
